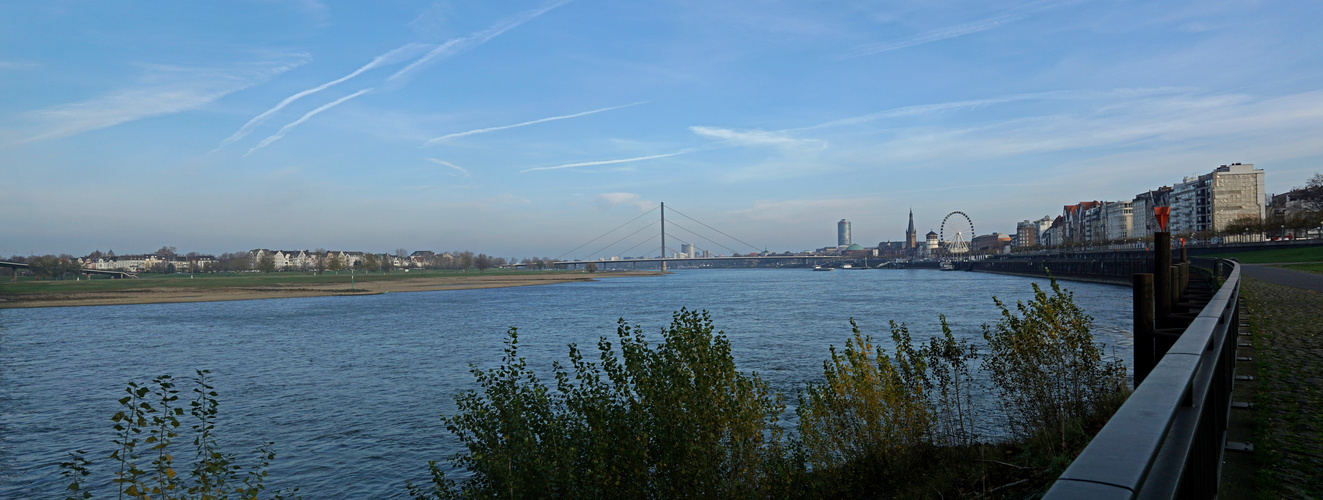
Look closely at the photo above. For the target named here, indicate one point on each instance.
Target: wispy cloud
(604, 162)
(949, 32)
(458, 45)
(457, 168)
(611, 200)
(754, 137)
(394, 56)
(533, 122)
(924, 109)
(165, 90)
(14, 65)
(284, 130)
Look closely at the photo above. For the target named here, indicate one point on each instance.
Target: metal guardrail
(1167, 440)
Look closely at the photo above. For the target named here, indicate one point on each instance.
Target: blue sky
(526, 128)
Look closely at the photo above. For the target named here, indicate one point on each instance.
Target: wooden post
(1144, 325)
(1175, 287)
(1162, 275)
(1185, 276)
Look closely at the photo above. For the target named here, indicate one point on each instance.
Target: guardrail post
(1162, 274)
(1144, 325)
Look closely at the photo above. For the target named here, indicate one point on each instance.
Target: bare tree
(267, 263)
(319, 260)
(482, 261)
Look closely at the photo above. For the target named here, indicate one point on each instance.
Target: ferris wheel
(953, 226)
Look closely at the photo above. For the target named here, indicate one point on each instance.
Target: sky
(527, 128)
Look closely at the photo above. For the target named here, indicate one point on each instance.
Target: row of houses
(284, 260)
(1199, 204)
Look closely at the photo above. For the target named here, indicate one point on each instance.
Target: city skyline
(527, 128)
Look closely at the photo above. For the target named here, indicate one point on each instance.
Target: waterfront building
(1054, 235)
(1041, 225)
(1026, 234)
(1117, 220)
(930, 247)
(1211, 201)
(1075, 227)
(843, 234)
(990, 243)
(1144, 222)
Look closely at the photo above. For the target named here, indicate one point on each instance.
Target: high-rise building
(911, 237)
(843, 233)
(687, 250)
(1211, 201)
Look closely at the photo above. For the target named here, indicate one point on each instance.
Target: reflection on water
(350, 388)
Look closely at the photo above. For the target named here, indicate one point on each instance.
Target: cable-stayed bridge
(654, 239)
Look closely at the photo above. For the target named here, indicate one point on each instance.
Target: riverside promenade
(1284, 309)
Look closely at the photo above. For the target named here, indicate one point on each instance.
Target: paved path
(1284, 277)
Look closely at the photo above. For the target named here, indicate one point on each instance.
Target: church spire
(911, 238)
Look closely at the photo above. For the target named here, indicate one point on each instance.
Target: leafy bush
(869, 408)
(951, 386)
(674, 420)
(145, 427)
(1046, 366)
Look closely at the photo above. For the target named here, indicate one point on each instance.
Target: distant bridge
(697, 236)
(106, 272)
(784, 260)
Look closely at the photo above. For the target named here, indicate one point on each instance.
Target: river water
(350, 388)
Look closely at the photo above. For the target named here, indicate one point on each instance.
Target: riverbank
(181, 288)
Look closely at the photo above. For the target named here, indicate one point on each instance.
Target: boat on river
(820, 268)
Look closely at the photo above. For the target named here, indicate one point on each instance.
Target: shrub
(950, 386)
(870, 408)
(1045, 365)
(674, 420)
(145, 427)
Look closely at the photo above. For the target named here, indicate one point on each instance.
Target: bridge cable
(636, 245)
(604, 234)
(623, 238)
(714, 229)
(732, 250)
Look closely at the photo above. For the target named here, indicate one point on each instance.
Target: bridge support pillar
(1144, 326)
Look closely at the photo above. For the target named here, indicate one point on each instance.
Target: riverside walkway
(1283, 276)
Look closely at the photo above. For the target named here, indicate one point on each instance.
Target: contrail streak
(458, 45)
(1010, 16)
(533, 122)
(604, 162)
(283, 130)
(247, 128)
(444, 163)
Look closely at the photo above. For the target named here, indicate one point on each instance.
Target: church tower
(911, 238)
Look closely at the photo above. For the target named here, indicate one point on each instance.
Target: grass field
(1313, 268)
(1308, 254)
(27, 285)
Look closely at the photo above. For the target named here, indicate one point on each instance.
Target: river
(350, 388)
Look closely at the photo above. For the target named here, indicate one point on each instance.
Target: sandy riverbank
(157, 295)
